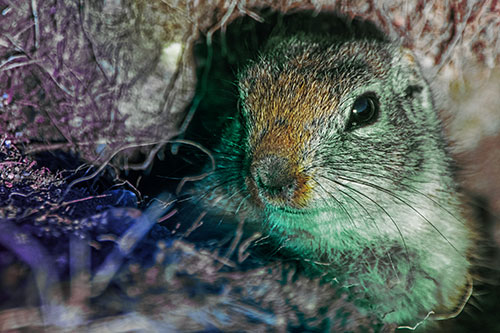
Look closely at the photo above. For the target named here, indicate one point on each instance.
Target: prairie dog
(337, 152)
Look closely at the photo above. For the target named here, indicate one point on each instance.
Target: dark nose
(274, 177)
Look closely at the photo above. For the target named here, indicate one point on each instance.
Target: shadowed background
(110, 82)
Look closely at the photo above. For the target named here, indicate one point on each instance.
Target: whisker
(368, 213)
(363, 207)
(379, 206)
(406, 186)
(241, 203)
(211, 189)
(338, 202)
(404, 202)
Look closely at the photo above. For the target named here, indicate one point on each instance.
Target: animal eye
(364, 111)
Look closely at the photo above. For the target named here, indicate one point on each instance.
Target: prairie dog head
(338, 151)
(346, 127)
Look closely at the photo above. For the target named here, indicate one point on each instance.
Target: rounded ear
(411, 83)
(408, 74)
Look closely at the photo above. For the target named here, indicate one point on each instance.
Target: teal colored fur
(384, 216)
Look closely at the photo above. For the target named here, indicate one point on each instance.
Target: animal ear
(413, 90)
(412, 86)
(409, 69)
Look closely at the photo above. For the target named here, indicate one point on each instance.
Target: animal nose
(274, 177)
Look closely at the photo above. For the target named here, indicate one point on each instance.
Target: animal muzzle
(277, 181)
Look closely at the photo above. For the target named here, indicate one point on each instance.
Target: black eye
(364, 111)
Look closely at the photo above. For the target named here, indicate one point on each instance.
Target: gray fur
(383, 210)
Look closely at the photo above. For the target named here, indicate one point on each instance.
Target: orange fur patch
(282, 110)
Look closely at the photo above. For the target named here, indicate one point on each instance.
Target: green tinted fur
(383, 210)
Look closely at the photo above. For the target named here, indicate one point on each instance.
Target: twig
(19, 64)
(166, 217)
(242, 255)
(144, 165)
(222, 23)
(448, 48)
(234, 242)
(12, 58)
(242, 7)
(83, 199)
(86, 35)
(60, 130)
(59, 85)
(203, 175)
(53, 146)
(197, 223)
(35, 19)
(95, 173)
